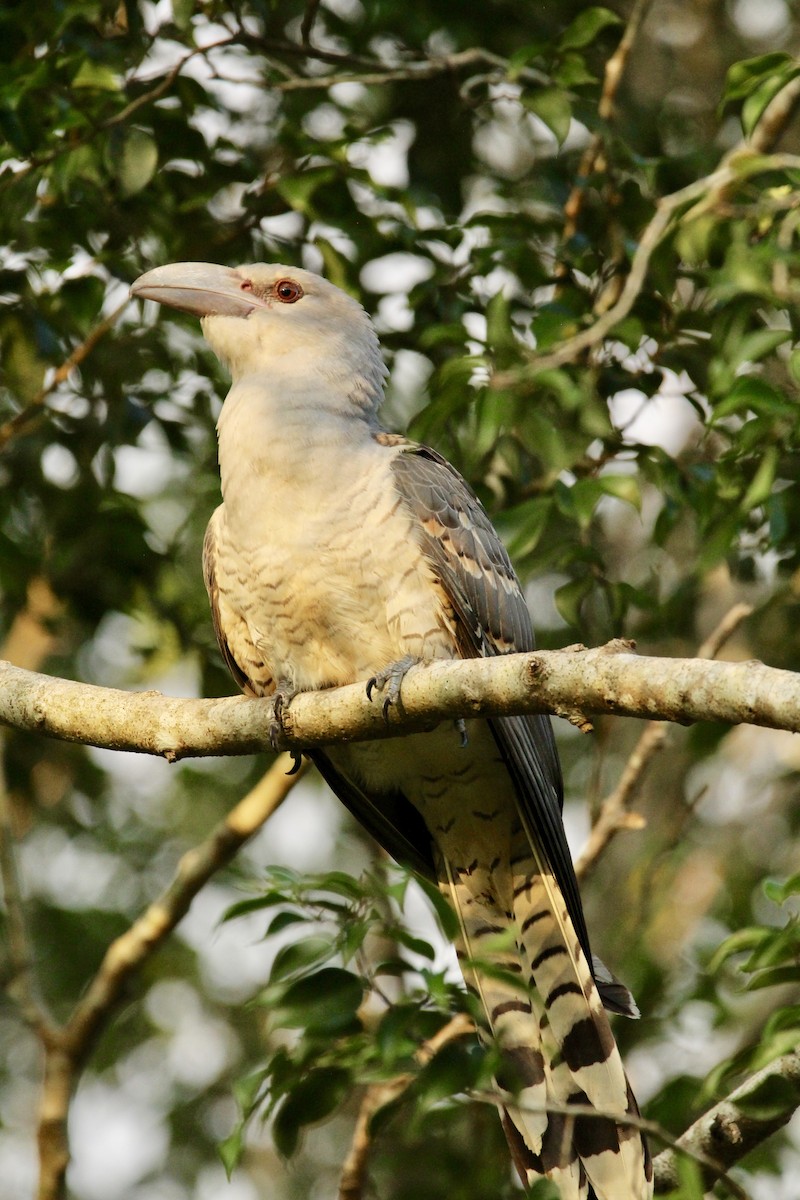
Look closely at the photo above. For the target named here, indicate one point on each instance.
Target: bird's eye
(287, 290)
(246, 286)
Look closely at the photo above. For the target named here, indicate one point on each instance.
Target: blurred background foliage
(473, 174)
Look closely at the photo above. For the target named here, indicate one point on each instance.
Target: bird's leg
(390, 681)
(391, 678)
(281, 699)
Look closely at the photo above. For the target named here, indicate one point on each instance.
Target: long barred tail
(544, 1012)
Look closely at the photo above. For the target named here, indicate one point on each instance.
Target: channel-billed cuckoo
(344, 553)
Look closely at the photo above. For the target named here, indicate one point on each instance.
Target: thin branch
(128, 952)
(354, 1171)
(725, 630)
(717, 1141)
(309, 17)
(20, 981)
(404, 73)
(613, 814)
(361, 70)
(612, 78)
(28, 642)
(762, 1105)
(714, 1168)
(67, 1049)
(571, 683)
(615, 67)
(118, 118)
(747, 158)
(23, 419)
(775, 117)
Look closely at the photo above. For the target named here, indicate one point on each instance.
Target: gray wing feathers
(474, 569)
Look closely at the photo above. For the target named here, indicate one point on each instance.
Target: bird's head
(270, 319)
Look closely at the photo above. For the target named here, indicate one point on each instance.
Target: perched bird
(342, 552)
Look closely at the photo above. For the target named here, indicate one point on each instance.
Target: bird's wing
(474, 569)
(210, 560)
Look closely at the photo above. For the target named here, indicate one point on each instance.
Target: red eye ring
(247, 286)
(288, 291)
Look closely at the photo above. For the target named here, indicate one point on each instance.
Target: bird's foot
(461, 730)
(281, 699)
(390, 681)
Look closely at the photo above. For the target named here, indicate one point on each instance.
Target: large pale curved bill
(203, 289)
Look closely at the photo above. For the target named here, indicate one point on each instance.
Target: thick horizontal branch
(572, 683)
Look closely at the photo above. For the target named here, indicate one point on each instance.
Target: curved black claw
(390, 680)
(297, 762)
(281, 699)
(461, 730)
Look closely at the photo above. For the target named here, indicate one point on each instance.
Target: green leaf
(253, 904)
(737, 943)
(230, 1150)
(570, 597)
(751, 393)
(523, 526)
(624, 487)
(92, 74)
(586, 26)
(690, 1180)
(415, 944)
(453, 1070)
(756, 345)
(283, 920)
(341, 884)
(773, 1097)
(298, 190)
(182, 13)
(311, 1100)
(551, 105)
(447, 918)
(774, 977)
(572, 71)
(299, 956)
(744, 76)
(323, 1003)
(780, 892)
(134, 159)
(755, 104)
(762, 482)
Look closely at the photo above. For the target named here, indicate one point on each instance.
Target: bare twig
(406, 72)
(155, 93)
(309, 17)
(22, 420)
(356, 69)
(775, 117)
(724, 630)
(27, 643)
(612, 78)
(20, 982)
(704, 1156)
(747, 158)
(196, 867)
(613, 814)
(67, 1048)
(378, 1095)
